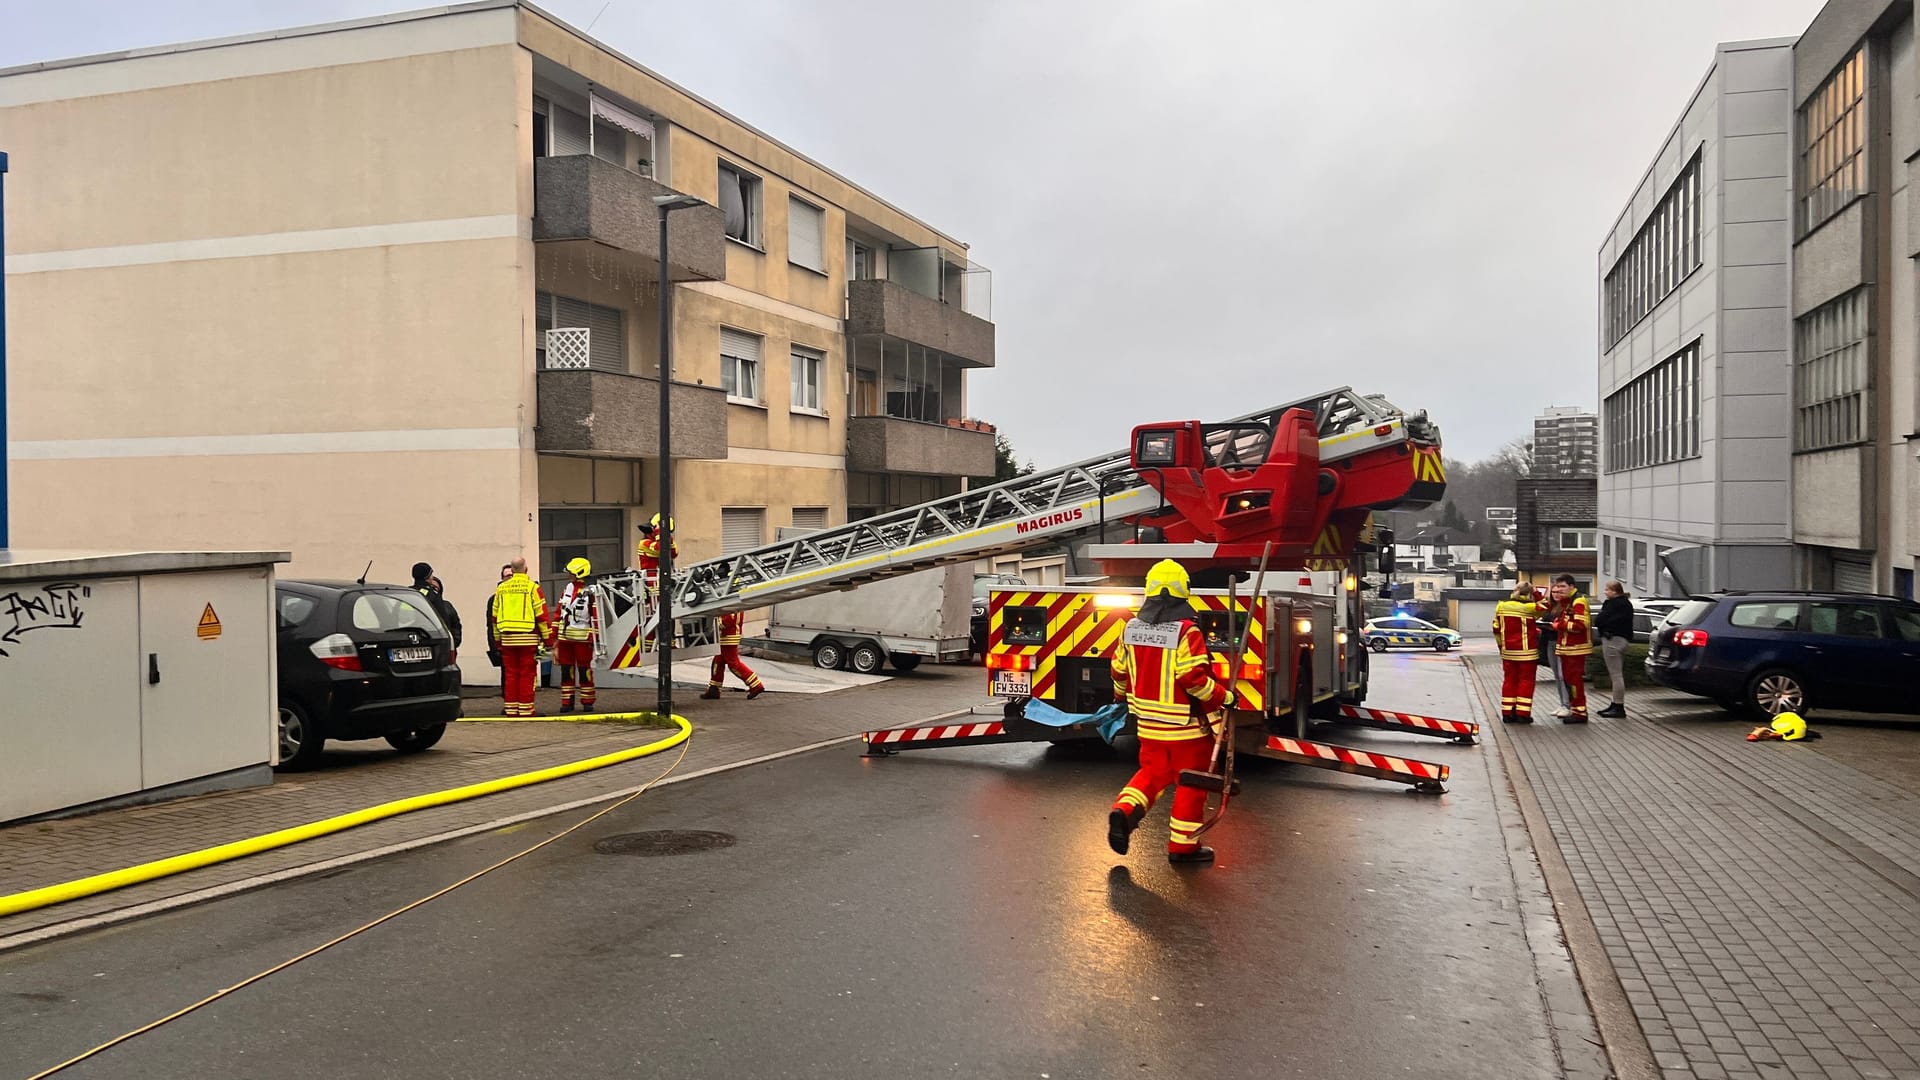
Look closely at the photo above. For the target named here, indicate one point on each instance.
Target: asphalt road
(939, 913)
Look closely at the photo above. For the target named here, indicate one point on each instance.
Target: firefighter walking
(729, 659)
(578, 637)
(1519, 638)
(1572, 643)
(1162, 671)
(518, 627)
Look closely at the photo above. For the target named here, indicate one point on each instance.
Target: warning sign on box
(209, 627)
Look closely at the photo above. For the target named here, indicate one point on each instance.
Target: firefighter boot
(1120, 826)
(712, 694)
(1199, 856)
(755, 691)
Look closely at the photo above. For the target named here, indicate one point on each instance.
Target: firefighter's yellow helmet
(1169, 578)
(656, 522)
(1789, 726)
(579, 568)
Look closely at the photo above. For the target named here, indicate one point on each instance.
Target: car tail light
(1690, 637)
(337, 651)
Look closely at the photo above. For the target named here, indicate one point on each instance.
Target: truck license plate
(1012, 684)
(410, 656)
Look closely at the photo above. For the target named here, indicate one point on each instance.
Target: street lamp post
(663, 625)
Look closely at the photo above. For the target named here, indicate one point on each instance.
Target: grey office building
(1696, 343)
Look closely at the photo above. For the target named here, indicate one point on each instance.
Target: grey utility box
(129, 677)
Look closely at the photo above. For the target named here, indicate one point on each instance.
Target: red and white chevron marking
(1412, 720)
(923, 734)
(1418, 770)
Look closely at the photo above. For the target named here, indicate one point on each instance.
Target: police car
(1401, 630)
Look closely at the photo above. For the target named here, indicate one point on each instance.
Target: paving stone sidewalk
(357, 775)
(1760, 902)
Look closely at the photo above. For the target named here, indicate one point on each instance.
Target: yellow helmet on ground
(1168, 578)
(656, 522)
(579, 568)
(1789, 726)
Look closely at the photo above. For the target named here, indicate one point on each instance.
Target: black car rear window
(1765, 615)
(1689, 613)
(384, 612)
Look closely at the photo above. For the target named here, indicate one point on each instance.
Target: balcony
(895, 311)
(582, 198)
(605, 414)
(882, 444)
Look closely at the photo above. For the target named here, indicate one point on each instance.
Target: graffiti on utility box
(53, 607)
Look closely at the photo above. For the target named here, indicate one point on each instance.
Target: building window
(742, 528)
(1655, 418)
(740, 203)
(1578, 540)
(589, 336)
(565, 535)
(1661, 255)
(806, 235)
(861, 265)
(1640, 579)
(810, 518)
(740, 366)
(807, 365)
(1830, 373)
(1833, 144)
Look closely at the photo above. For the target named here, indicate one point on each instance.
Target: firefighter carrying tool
(577, 637)
(1162, 671)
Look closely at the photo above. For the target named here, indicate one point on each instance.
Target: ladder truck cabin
(1295, 484)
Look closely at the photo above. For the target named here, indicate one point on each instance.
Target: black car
(1777, 652)
(361, 662)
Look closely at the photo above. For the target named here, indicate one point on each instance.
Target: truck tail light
(1009, 662)
(337, 651)
(1690, 638)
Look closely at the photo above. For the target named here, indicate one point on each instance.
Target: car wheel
(1774, 692)
(830, 655)
(412, 742)
(903, 661)
(300, 740)
(1378, 644)
(867, 659)
(1441, 644)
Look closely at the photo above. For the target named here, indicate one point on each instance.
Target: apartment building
(1566, 442)
(1696, 339)
(387, 290)
(1856, 138)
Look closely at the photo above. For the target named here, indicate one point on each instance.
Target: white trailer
(898, 620)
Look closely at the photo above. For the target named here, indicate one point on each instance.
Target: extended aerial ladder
(1346, 430)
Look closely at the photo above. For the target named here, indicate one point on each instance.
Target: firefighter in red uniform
(1572, 643)
(729, 659)
(577, 637)
(517, 627)
(1162, 671)
(647, 552)
(1518, 635)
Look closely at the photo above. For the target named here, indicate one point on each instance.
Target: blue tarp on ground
(1112, 719)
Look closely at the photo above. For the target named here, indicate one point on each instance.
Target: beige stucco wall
(258, 309)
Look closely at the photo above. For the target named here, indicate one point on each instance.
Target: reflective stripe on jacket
(519, 611)
(730, 624)
(1163, 671)
(1515, 630)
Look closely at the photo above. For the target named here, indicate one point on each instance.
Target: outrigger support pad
(1425, 777)
(1206, 781)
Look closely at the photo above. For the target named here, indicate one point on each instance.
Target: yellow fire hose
(194, 860)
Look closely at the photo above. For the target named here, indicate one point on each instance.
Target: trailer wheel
(867, 659)
(830, 655)
(903, 661)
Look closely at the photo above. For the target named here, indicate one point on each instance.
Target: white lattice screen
(569, 347)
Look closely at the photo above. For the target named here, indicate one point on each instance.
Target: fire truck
(1292, 489)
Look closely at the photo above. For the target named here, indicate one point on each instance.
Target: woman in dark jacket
(1613, 625)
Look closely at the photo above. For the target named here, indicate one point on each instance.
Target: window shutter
(810, 518)
(806, 228)
(741, 345)
(569, 131)
(608, 344)
(1851, 576)
(742, 528)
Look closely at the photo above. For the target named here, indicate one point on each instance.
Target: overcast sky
(1191, 210)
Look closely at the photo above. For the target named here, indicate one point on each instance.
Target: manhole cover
(663, 842)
